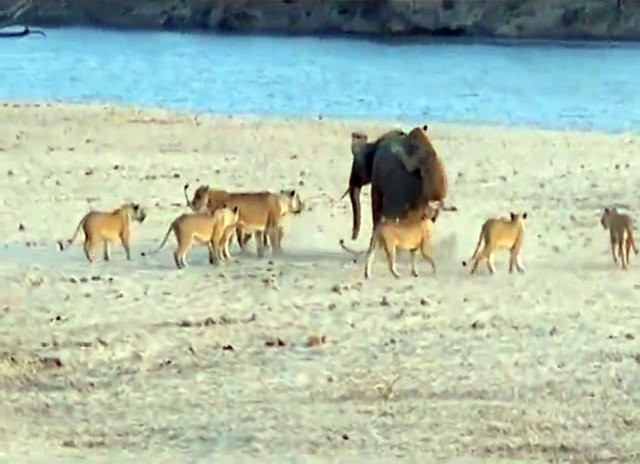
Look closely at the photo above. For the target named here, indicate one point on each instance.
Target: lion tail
(475, 252)
(75, 234)
(164, 240)
(351, 250)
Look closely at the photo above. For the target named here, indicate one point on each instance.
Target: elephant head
(361, 170)
(404, 171)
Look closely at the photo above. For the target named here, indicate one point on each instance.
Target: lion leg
(223, 246)
(239, 237)
(181, 254)
(630, 245)
(369, 261)
(211, 251)
(124, 239)
(259, 243)
(476, 260)
(613, 251)
(414, 271)
(89, 250)
(391, 259)
(176, 258)
(105, 250)
(428, 258)
(519, 265)
(279, 235)
(631, 241)
(245, 239)
(621, 254)
(490, 264)
(274, 238)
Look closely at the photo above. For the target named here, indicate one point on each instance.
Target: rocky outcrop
(560, 19)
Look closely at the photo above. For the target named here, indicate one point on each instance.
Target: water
(583, 86)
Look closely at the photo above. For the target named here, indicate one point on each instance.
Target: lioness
(263, 213)
(412, 233)
(210, 229)
(621, 233)
(107, 227)
(499, 233)
(212, 199)
(205, 197)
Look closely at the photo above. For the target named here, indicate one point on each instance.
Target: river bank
(562, 19)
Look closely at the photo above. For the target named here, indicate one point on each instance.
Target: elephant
(404, 172)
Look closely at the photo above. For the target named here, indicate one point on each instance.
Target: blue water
(583, 86)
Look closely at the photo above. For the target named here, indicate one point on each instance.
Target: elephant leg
(376, 205)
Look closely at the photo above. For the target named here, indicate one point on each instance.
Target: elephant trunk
(354, 196)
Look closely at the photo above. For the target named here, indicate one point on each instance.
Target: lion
(207, 198)
(412, 232)
(425, 158)
(263, 214)
(497, 233)
(108, 227)
(621, 233)
(211, 229)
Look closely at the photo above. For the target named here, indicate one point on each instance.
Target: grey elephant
(404, 172)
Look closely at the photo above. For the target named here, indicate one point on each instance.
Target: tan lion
(263, 214)
(211, 199)
(500, 233)
(413, 233)
(621, 234)
(108, 227)
(211, 229)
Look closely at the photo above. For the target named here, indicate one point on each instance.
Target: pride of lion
(215, 216)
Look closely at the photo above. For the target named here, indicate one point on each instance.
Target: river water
(553, 85)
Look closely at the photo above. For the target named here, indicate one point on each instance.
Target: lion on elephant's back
(403, 169)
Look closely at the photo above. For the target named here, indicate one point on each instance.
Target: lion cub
(211, 229)
(497, 233)
(621, 233)
(108, 227)
(412, 233)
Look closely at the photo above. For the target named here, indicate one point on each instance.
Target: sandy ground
(139, 362)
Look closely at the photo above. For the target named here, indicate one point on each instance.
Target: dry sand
(126, 361)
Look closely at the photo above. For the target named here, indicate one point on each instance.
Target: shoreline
(185, 112)
(390, 40)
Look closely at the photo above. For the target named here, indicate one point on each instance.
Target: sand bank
(163, 364)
